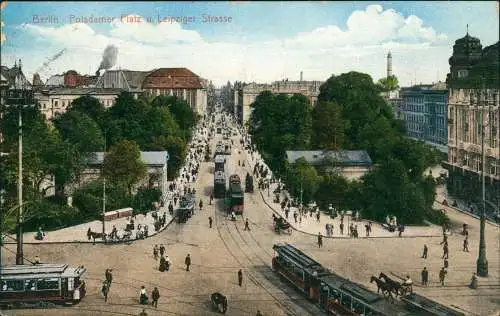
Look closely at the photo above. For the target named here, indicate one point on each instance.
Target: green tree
(328, 126)
(303, 176)
(387, 84)
(81, 130)
(123, 165)
(332, 190)
(90, 106)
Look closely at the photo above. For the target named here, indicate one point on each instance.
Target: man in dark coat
(210, 221)
(187, 261)
(240, 277)
(320, 240)
(162, 250)
(155, 295)
(425, 276)
(109, 276)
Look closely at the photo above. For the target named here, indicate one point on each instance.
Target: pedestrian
(445, 251)
(200, 204)
(247, 227)
(466, 244)
(295, 215)
(187, 261)
(341, 228)
(445, 263)
(445, 238)
(320, 240)
(317, 216)
(109, 276)
(155, 295)
(425, 276)
(162, 250)
(105, 290)
(210, 221)
(240, 277)
(155, 252)
(143, 296)
(442, 274)
(424, 255)
(211, 199)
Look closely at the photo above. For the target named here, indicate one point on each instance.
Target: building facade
(424, 110)
(179, 82)
(245, 94)
(127, 80)
(57, 100)
(473, 121)
(351, 164)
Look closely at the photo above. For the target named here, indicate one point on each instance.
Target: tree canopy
(350, 114)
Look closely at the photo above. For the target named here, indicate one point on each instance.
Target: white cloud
(361, 46)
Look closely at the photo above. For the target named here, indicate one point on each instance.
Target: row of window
(29, 285)
(474, 162)
(64, 104)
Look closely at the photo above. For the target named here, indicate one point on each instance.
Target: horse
(95, 235)
(381, 285)
(395, 286)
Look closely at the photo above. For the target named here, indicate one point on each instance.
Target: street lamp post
(482, 262)
(19, 252)
(104, 189)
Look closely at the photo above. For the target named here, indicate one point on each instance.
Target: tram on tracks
(219, 162)
(236, 195)
(339, 296)
(219, 185)
(41, 285)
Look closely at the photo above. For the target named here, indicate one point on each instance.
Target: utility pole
(104, 189)
(19, 252)
(482, 262)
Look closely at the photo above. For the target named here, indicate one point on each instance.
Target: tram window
(346, 301)
(335, 294)
(13, 285)
(358, 307)
(30, 285)
(47, 284)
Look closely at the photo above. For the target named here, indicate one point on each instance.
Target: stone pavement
(310, 225)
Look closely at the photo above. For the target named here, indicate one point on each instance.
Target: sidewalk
(310, 225)
(78, 233)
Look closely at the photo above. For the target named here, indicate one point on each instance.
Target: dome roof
(467, 39)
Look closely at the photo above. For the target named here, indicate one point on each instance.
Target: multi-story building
(180, 82)
(473, 121)
(423, 108)
(128, 80)
(246, 93)
(57, 100)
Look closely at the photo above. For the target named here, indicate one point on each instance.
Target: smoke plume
(51, 59)
(108, 57)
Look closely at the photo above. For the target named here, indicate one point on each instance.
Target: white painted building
(57, 100)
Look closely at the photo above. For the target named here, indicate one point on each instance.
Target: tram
(219, 162)
(41, 285)
(219, 184)
(236, 195)
(339, 296)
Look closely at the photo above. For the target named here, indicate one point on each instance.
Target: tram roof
(430, 306)
(44, 270)
(296, 255)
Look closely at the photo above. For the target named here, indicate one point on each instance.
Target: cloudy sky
(259, 42)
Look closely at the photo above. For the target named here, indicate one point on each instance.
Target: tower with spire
(389, 64)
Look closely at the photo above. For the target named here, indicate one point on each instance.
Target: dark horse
(395, 286)
(94, 235)
(381, 285)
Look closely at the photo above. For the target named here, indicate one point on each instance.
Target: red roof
(172, 78)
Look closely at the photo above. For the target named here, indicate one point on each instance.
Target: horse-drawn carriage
(281, 225)
(389, 286)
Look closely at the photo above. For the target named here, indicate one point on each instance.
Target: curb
(332, 237)
(91, 242)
